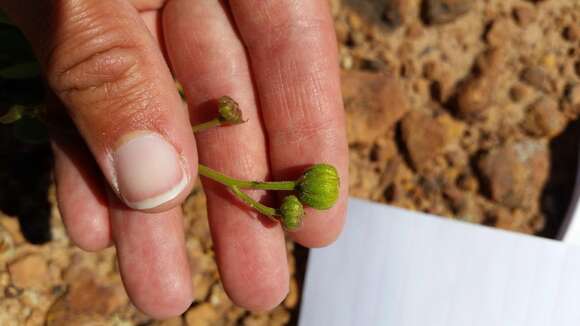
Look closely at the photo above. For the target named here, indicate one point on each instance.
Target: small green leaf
(14, 114)
(21, 71)
(31, 131)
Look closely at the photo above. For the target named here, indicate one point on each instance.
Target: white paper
(395, 267)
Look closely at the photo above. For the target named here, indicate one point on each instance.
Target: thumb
(102, 62)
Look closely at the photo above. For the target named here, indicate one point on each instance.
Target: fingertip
(80, 197)
(152, 259)
(321, 229)
(165, 302)
(263, 292)
(85, 223)
(90, 235)
(252, 259)
(93, 243)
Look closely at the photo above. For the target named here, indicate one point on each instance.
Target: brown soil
(461, 108)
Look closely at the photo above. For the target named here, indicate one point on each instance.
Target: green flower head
(292, 213)
(319, 186)
(229, 110)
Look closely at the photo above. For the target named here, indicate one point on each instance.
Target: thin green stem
(263, 209)
(229, 181)
(206, 125)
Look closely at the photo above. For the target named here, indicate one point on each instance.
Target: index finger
(293, 54)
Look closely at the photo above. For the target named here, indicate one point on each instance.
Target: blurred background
(467, 109)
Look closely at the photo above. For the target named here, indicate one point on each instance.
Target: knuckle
(103, 68)
(103, 73)
(305, 132)
(93, 53)
(107, 85)
(287, 32)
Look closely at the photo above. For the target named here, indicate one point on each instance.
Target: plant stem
(228, 181)
(263, 209)
(207, 125)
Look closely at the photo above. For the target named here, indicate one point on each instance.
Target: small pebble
(572, 32)
(538, 78)
(524, 15)
(393, 13)
(444, 11)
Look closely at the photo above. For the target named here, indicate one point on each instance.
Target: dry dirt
(462, 108)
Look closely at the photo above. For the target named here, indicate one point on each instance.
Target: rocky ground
(462, 108)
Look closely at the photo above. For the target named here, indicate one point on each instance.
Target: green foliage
(21, 88)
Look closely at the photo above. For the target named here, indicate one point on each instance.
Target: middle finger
(209, 60)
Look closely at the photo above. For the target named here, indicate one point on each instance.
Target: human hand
(108, 63)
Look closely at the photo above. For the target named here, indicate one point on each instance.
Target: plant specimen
(318, 187)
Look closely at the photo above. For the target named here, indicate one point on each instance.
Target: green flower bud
(229, 110)
(319, 186)
(292, 213)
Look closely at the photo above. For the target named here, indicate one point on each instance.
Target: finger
(145, 5)
(80, 195)
(80, 190)
(152, 19)
(152, 259)
(209, 61)
(293, 55)
(107, 69)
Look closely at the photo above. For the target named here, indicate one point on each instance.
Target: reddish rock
(203, 314)
(426, 137)
(519, 92)
(544, 119)
(492, 61)
(87, 299)
(475, 96)
(572, 32)
(524, 15)
(515, 173)
(374, 103)
(394, 13)
(573, 94)
(29, 272)
(500, 32)
(538, 78)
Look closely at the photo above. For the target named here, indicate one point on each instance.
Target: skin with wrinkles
(111, 65)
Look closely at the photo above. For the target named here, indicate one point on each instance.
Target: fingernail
(149, 171)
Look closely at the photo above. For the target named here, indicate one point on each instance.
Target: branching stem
(243, 184)
(263, 209)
